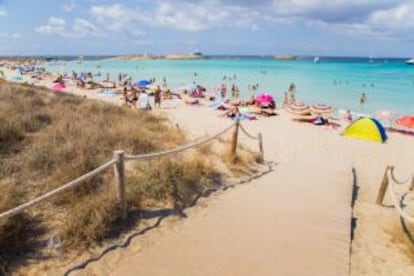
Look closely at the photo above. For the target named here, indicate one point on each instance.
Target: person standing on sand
(157, 97)
(143, 101)
(362, 100)
(285, 100)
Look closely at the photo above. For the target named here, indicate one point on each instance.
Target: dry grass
(48, 139)
(403, 237)
(172, 181)
(13, 230)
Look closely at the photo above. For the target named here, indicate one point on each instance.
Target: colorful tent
(366, 129)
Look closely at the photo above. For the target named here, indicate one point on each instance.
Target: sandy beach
(380, 246)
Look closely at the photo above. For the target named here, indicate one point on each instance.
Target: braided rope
(406, 180)
(398, 206)
(19, 209)
(186, 147)
(247, 134)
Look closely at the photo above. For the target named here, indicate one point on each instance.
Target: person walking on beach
(362, 100)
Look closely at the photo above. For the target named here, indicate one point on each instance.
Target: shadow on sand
(161, 214)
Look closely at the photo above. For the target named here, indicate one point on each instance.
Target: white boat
(316, 59)
(410, 61)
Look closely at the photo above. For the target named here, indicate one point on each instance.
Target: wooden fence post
(412, 184)
(261, 161)
(119, 168)
(234, 140)
(383, 187)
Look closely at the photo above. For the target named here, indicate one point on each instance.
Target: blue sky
(302, 27)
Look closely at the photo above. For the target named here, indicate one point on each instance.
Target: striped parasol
(298, 109)
(384, 116)
(321, 109)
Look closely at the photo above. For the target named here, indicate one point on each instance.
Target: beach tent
(2, 75)
(366, 129)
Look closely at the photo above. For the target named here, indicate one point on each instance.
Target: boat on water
(316, 59)
(410, 61)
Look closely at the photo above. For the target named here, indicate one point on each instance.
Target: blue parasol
(143, 83)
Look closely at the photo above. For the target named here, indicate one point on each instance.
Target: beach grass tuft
(13, 231)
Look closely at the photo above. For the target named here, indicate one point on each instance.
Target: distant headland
(168, 56)
(285, 57)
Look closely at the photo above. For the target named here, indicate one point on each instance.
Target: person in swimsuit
(347, 116)
(362, 100)
(157, 97)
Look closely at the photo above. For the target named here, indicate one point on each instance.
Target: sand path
(274, 226)
(285, 223)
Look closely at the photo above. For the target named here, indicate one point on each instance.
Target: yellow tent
(366, 129)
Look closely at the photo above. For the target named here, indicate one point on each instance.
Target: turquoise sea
(388, 83)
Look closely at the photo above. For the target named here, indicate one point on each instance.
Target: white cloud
(397, 18)
(185, 16)
(54, 26)
(3, 12)
(372, 18)
(81, 28)
(10, 35)
(69, 5)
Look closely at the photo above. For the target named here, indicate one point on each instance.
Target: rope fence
(248, 134)
(388, 181)
(118, 163)
(259, 138)
(180, 149)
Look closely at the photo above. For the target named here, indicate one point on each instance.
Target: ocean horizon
(216, 56)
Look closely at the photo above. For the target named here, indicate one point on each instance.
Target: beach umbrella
(406, 122)
(321, 109)
(142, 83)
(264, 99)
(384, 115)
(58, 86)
(298, 109)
